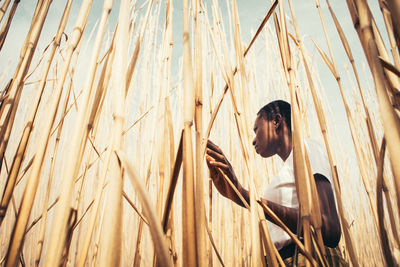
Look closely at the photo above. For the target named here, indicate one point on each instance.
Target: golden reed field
(104, 121)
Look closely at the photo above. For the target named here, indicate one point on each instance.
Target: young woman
(273, 136)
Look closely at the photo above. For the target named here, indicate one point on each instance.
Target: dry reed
(134, 117)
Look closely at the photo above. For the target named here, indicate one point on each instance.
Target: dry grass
(114, 173)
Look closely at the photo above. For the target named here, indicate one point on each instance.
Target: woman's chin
(265, 154)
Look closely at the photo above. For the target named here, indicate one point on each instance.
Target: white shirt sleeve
(318, 159)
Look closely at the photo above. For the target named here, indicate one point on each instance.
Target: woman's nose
(254, 141)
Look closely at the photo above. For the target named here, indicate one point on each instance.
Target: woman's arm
(330, 221)
(331, 230)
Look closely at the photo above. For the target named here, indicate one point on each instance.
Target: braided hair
(281, 107)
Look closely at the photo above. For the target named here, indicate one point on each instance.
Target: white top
(282, 189)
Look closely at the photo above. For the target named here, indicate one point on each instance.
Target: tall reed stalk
(390, 120)
(9, 109)
(112, 237)
(20, 153)
(323, 127)
(58, 232)
(198, 120)
(369, 124)
(103, 84)
(190, 249)
(3, 8)
(6, 26)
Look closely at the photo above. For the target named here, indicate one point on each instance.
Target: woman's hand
(216, 160)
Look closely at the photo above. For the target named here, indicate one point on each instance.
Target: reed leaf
(327, 61)
(395, 14)
(173, 181)
(379, 203)
(389, 66)
(139, 40)
(150, 213)
(390, 31)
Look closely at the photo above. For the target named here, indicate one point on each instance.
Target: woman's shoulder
(318, 158)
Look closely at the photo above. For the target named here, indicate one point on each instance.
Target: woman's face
(266, 139)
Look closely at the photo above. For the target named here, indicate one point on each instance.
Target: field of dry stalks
(102, 141)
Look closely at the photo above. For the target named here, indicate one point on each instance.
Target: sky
(251, 13)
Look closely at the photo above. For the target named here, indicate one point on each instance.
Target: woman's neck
(285, 146)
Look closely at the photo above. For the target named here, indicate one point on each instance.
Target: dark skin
(274, 138)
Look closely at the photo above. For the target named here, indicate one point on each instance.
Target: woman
(273, 136)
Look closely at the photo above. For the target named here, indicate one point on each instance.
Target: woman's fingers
(213, 170)
(216, 164)
(216, 156)
(213, 165)
(214, 147)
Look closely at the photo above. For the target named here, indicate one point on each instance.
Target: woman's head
(272, 130)
(269, 111)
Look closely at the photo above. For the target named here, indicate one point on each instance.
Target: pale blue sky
(251, 14)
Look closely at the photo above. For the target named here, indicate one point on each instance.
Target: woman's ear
(277, 121)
